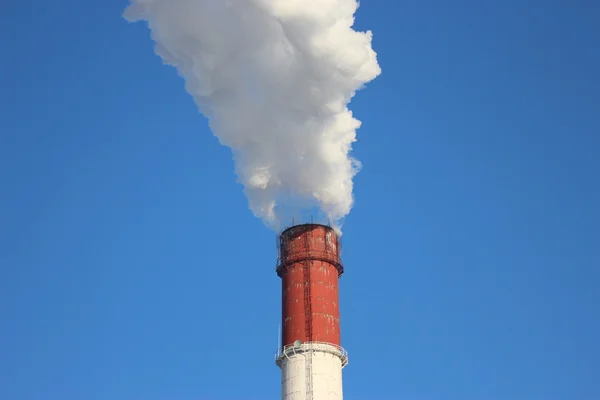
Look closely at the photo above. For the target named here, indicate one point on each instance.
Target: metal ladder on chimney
(308, 318)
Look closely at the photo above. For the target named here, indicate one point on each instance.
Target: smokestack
(311, 357)
(274, 79)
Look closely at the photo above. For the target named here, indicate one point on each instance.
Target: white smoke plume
(274, 78)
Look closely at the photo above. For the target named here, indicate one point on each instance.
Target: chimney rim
(309, 225)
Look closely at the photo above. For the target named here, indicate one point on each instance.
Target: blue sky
(131, 267)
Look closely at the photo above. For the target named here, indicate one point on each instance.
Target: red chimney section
(309, 266)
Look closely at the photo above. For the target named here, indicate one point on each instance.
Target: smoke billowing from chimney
(274, 78)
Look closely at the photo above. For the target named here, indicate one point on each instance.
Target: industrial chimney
(311, 358)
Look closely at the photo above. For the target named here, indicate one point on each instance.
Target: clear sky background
(131, 267)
